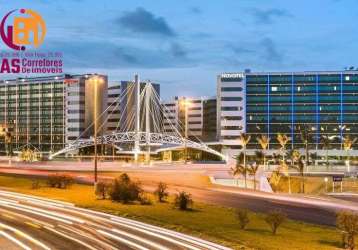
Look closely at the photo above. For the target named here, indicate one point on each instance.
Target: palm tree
(283, 140)
(326, 144)
(240, 168)
(244, 140)
(285, 170)
(347, 145)
(253, 168)
(305, 136)
(298, 164)
(264, 142)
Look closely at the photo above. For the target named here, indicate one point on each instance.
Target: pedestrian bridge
(161, 141)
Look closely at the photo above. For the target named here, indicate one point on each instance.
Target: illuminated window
(347, 78)
(273, 88)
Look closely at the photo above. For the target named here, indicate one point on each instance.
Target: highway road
(29, 222)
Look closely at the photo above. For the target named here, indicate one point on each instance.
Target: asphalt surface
(28, 222)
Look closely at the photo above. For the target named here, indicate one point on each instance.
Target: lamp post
(96, 80)
(186, 103)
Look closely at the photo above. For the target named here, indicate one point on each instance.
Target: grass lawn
(210, 222)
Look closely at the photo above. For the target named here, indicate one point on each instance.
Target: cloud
(195, 10)
(105, 54)
(270, 51)
(239, 50)
(268, 16)
(177, 50)
(143, 21)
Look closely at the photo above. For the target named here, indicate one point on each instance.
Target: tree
(243, 217)
(305, 138)
(285, 170)
(253, 168)
(161, 191)
(102, 189)
(283, 140)
(348, 222)
(240, 168)
(275, 179)
(183, 200)
(124, 190)
(275, 219)
(244, 139)
(264, 141)
(347, 145)
(326, 145)
(298, 164)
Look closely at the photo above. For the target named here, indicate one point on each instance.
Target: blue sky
(184, 44)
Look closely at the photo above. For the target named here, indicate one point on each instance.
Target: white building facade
(231, 117)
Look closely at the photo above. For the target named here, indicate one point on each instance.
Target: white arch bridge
(161, 141)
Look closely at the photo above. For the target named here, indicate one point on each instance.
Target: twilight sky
(184, 44)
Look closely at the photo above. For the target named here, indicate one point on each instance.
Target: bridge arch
(168, 141)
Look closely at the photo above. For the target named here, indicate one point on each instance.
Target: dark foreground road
(28, 222)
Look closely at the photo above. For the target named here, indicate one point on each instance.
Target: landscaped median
(214, 223)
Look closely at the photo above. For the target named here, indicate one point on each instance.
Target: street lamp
(95, 80)
(186, 104)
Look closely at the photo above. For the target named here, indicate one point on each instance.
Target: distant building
(210, 120)
(113, 111)
(199, 109)
(48, 112)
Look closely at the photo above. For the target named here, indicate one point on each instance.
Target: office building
(49, 112)
(322, 103)
(231, 119)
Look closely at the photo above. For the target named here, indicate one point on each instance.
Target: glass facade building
(48, 112)
(323, 103)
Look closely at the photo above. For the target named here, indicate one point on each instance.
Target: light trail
(127, 242)
(90, 229)
(14, 240)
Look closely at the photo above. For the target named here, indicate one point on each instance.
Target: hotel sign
(232, 75)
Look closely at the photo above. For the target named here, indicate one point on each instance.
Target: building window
(238, 98)
(229, 108)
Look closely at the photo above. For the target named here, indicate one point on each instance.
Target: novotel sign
(232, 75)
